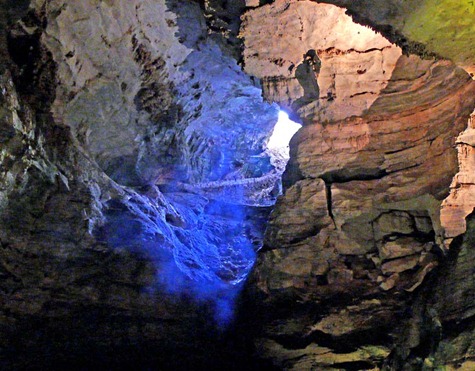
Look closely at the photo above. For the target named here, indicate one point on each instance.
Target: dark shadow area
(442, 309)
(133, 343)
(307, 74)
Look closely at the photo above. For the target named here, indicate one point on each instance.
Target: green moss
(429, 365)
(374, 352)
(446, 27)
(446, 352)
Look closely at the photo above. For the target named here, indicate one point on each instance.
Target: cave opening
(219, 225)
(279, 141)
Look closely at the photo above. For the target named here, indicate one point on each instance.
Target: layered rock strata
(439, 328)
(314, 60)
(358, 229)
(427, 27)
(135, 186)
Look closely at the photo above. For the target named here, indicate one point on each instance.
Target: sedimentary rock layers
(135, 184)
(422, 27)
(314, 59)
(360, 218)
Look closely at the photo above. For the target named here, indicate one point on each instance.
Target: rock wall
(459, 204)
(115, 117)
(315, 61)
(358, 229)
(156, 68)
(443, 28)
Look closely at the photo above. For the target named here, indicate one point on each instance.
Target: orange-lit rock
(314, 59)
(368, 171)
(461, 201)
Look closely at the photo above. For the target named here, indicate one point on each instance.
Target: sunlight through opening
(278, 144)
(284, 130)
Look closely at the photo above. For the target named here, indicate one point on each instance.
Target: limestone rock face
(135, 185)
(439, 330)
(460, 203)
(315, 60)
(66, 285)
(360, 216)
(422, 27)
(452, 303)
(155, 67)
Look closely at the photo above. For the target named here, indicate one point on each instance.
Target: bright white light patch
(284, 130)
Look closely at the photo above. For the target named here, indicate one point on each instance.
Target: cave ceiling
(445, 28)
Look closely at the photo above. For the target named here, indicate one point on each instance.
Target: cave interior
(241, 185)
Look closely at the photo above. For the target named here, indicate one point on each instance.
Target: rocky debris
(321, 358)
(438, 332)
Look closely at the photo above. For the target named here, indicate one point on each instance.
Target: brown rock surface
(314, 59)
(424, 27)
(360, 214)
(461, 200)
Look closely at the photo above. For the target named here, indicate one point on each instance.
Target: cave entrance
(222, 222)
(278, 144)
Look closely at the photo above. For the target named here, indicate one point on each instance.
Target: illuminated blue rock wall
(210, 162)
(135, 185)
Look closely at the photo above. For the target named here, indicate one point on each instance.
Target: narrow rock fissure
(328, 194)
(343, 176)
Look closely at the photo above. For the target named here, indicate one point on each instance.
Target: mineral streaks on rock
(313, 58)
(461, 200)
